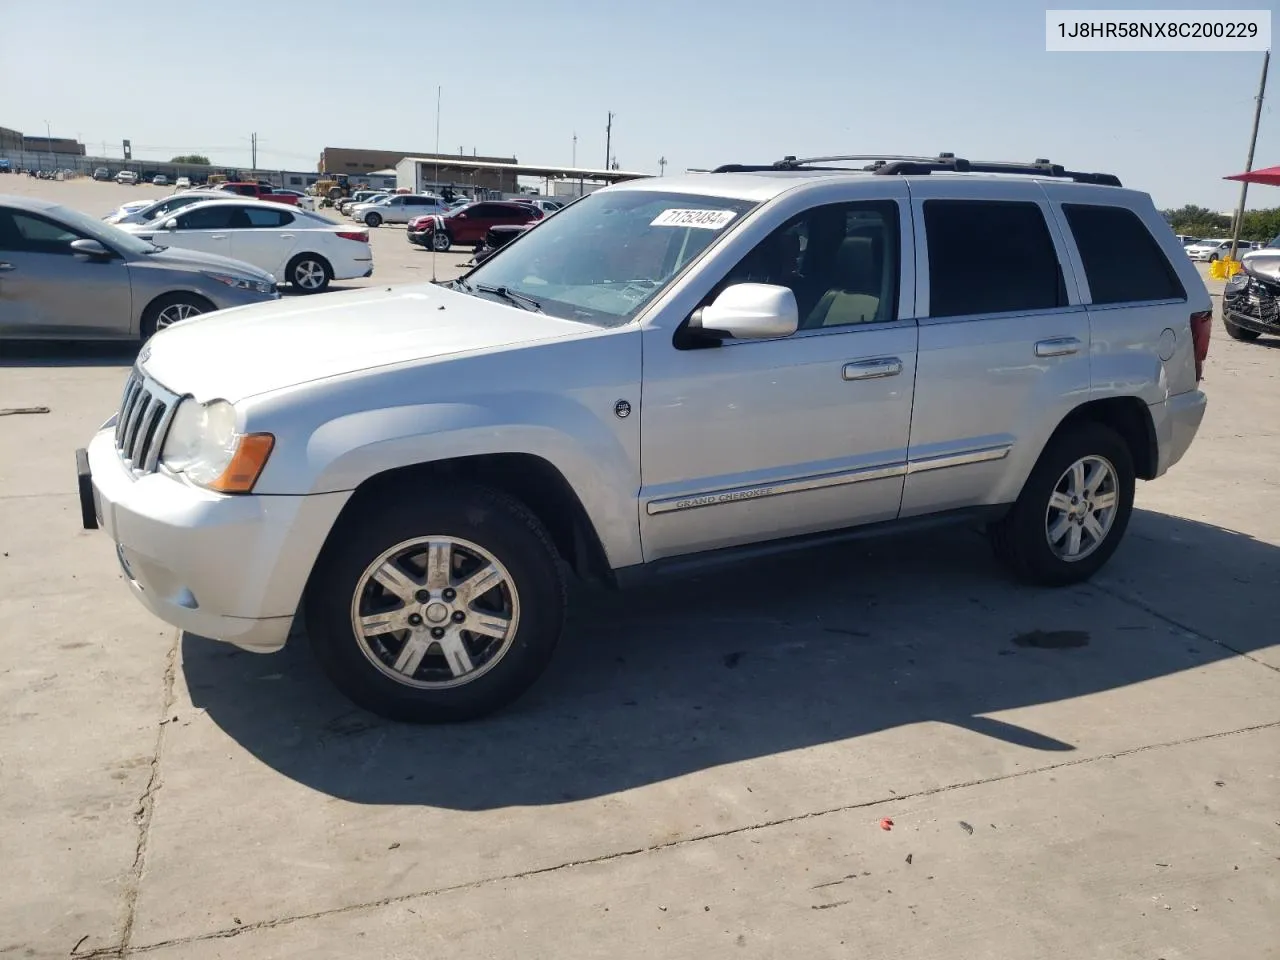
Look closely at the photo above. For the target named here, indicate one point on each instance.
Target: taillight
(360, 236)
(1201, 327)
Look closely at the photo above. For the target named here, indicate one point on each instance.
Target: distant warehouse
(360, 162)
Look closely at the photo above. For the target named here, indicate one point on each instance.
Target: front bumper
(230, 568)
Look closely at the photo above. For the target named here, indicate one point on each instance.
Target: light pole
(48, 142)
(662, 166)
(1253, 140)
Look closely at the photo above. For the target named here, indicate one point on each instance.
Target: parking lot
(884, 749)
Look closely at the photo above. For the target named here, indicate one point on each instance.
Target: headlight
(241, 283)
(203, 446)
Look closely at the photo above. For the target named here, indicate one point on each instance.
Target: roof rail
(919, 166)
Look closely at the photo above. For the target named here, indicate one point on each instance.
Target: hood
(233, 354)
(1263, 264)
(185, 259)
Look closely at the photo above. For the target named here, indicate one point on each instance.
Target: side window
(268, 218)
(1122, 261)
(25, 233)
(216, 216)
(990, 256)
(841, 261)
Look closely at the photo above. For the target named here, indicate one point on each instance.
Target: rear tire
(1240, 333)
(309, 273)
(1024, 540)
(170, 309)
(399, 664)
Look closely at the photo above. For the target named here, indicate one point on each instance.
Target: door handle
(287, 236)
(5, 265)
(872, 369)
(1058, 347)
(217, 236)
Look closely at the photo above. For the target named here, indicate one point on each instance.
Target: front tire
(435, 606)
(440, 241)
(170, 309)
(372, 220)
(309, 273)
(1073, 509)
(1242, 334)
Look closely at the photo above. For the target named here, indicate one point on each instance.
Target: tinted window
(216, 216)
(268, 218)
(1122, 261)
(841, 261)
(990, 256)
(24, 233)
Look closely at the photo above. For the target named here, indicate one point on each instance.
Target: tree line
(1196, 221)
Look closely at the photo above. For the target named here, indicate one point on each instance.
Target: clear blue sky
(700, 82)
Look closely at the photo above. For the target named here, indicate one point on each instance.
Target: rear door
(267, 241)
(1004, 340)
(207, 228)
(49, 291)
(1139, 303)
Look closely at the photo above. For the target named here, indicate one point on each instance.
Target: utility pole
(608, 140)
(662, 166)
(253, 138)
(574, 163)
(1248, 165)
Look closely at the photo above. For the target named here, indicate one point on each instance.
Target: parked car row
(1215, 248)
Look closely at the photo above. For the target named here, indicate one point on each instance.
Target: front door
(207, 228)
(1004, 341)
(49, 291)
(764, 439)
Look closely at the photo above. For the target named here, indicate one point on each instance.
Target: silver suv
(667, 371)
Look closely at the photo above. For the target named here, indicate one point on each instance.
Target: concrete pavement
(704, 769)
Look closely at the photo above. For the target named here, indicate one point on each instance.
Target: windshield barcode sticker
(702, 219)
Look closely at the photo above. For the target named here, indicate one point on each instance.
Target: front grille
(143, 421)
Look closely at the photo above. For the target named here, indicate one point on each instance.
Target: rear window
(990, 256)
(1122, 261)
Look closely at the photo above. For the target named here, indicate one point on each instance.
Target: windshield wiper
(520, 299)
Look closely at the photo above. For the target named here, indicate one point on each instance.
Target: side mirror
(750, 311)
(171, 224)
(91, 248)
(461, 216)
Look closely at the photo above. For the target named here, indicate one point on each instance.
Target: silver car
(65, 276)
(668, 373)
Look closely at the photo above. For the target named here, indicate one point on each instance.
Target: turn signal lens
(246, 465)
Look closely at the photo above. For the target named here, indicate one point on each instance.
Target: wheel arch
(145, 314)
(533, 480)
(1131, 419)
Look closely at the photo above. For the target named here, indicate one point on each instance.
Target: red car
(467, 226)
(257, 191)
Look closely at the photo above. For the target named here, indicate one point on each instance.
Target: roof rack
(919, 166)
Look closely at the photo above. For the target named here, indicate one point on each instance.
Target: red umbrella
(1268, 175)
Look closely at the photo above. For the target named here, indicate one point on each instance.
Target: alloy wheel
(435, 612)
(1082, 508)
(309, 274)
(175, 312)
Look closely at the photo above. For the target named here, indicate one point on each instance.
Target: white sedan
(304, 249)
(1209, 250)
(305, 201)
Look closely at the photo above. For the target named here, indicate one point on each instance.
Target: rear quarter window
(1122, 261)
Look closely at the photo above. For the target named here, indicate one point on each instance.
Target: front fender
(598, 458)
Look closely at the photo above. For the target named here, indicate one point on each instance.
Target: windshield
(106, 233)
(603, 258)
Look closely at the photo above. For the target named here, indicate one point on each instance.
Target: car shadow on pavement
(60, 353)
(769, 657)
